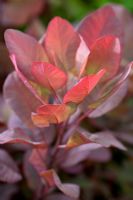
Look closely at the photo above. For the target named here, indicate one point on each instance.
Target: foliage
(66, 93)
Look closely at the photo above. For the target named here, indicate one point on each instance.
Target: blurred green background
(74, 10)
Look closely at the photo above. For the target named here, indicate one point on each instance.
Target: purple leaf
(22, 105)
(18, 135)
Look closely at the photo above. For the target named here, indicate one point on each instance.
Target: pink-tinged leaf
(26, 50)
(112, 94)
(61, 43)
(19, 12)
(77, 93)
(105, 139)
(51, 114)
(26, 81)
(100, 155)
(38, 135)
(111, 102)
(79, 154)
(17, 135)
(38, 159)
(82, 55)
(8, 170)
(52, 179)
(95, 142)
(100, 23)
(126, 20)
(48, 75)
(21, 100)
(107, 96)
(126, 137)
(105, 52)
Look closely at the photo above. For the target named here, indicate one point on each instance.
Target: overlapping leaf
(79, 154)
(98, 24)
(51, 114)
(52, 180)
(48, 75)
(127, 22)
(61, 43)
(116, 91)
(18, 135)
(77, 93)
(26, 50)
(105, 52)
(105, 139)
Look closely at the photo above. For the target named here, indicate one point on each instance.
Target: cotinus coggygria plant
(69, 75)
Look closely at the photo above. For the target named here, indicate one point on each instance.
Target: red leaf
(77, 93)
(105, 52)
(8, 169)
(98, 24)
(61, 43)
(48, 114)
(17, 135)
(52, 180)
(26, 50)
(48, 75)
